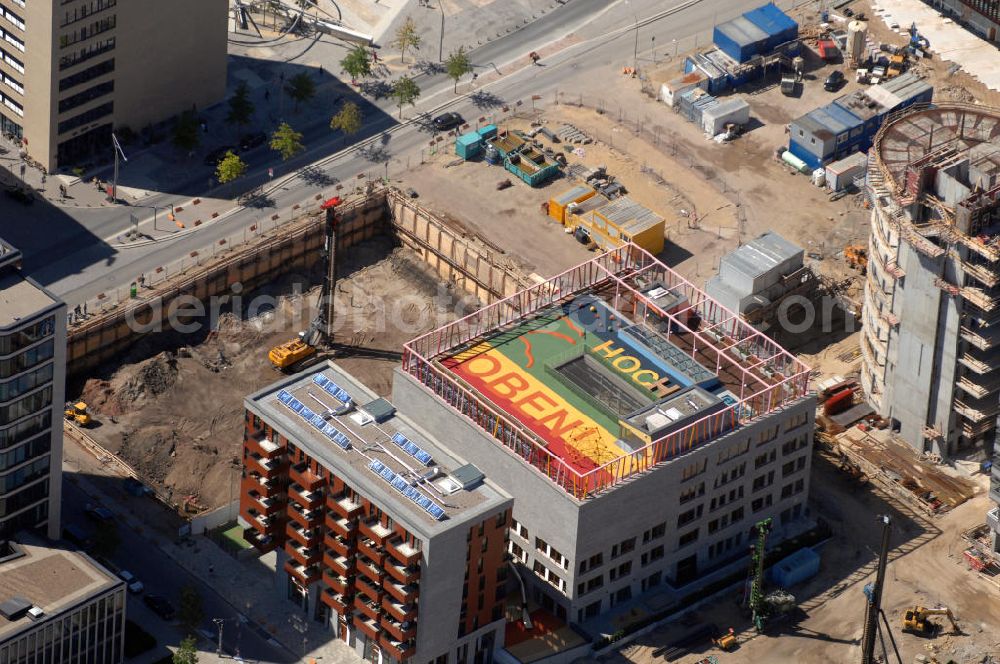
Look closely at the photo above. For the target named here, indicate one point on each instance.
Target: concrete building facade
(640, 441)
(931, 326)
(385, 535)
(76, 615)
(980, 16)
(72, 70)
(32, 393)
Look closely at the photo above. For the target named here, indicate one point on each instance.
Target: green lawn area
(234, 536)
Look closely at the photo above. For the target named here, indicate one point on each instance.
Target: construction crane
(873, 609)
(292, 354)
(916, 620)
(758, 608)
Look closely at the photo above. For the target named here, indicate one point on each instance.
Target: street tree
(106, 539)
(191, 610)
(230, 168)
(407, 38)
(357, 63)
(301, 88)
(186, 136)
(187, 653)
(457, 65)
(286, 141)
(348, 119)
(240, 107)
(405, 91)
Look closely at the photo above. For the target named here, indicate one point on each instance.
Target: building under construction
(931, 327)
(640, 426)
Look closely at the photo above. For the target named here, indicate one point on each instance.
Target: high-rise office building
(72, 70)
(32, 392)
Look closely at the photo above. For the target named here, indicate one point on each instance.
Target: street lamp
(441, 42)
(635, 55)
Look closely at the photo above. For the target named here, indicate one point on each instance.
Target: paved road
(162, 576)
(80, 266)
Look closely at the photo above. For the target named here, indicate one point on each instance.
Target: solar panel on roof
(284, 396)
(329, 430)
(342, 395)
(321, 380)
(399, 439)
(412, 449)
(423, 457)
(399, 484)
(376, 465)
(318, 422)
(296, 405)
(410, 492)
(423, 501)
(436, 511)
(342, 440)
(388, 475)
(306, 412)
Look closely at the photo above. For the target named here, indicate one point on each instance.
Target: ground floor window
(84, 146)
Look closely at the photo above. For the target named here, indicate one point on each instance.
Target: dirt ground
(925, 568)
(177, 416)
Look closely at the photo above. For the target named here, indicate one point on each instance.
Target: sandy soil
(178, 415)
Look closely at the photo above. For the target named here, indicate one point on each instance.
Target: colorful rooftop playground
(606, 370)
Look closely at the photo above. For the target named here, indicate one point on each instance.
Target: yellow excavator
(293, 354)
(77, 413)
(916, 620)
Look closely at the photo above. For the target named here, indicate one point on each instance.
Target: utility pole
(874, 595)
(218, 623)
(441, 42)
(117, 149)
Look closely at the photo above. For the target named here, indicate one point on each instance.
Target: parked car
(447, 121)
(98, 513)
(215, 156)
(834, 81)
(160, 606)
(251, 141)
(77, 535)
(134, 585)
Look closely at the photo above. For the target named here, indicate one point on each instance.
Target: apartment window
(501, 520)
(88, 95)
(767, 434)
(25, 382)
(654, 533)
(760, 503)
(86, 117)
(730, 475)
(689, 516)
(86, 53)
(15, 341)
(26, 405)
(795, 444)
(763, 481)
(691, 493)
(628, 545)
(763, 459)
(657, 552)
(787, 469)
(87, 31)
(595, 583)
(688, 538)
(85, 10)
(736, 515)
(796, 421)
(693, 470)
(733, 451)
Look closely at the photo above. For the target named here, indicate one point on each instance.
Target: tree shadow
(256, 199)
(317, 177)
(484, 100)
(375, 153)
(424, 123)
(378, 89)
(427, 67)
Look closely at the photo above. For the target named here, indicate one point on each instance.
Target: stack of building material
(571, 134)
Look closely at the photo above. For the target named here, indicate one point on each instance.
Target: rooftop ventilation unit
(36, 613)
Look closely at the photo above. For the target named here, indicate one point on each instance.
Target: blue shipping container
(796, 568)
(740, 39)
(488, 131)
(779, 27)
(468, 145)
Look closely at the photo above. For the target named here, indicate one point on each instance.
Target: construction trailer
(757, 32)
(843, 173)
(469, 145)
(572, 197)
(670, 90)
(732, 111)
(611, 224)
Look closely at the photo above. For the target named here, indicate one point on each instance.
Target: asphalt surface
(80, 260)
(162, 576)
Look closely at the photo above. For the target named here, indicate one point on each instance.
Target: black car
(447, 121)
(160, 606)
(215, 156)
(834, 81)
(251, 141)
(98, 513)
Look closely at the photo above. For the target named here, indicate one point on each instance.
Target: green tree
(457, 65)
(240, 107)
(407, 38)
(106, 539)
(286, 141)
(357, 63)
(348, 119)
(405, 91)
(187, 653)
(186, 136)
(301, 88)
(230, 168)
(190, 610)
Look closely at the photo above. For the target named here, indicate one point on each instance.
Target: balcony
(396, 650)
(344, 506)
(301, 474)
(374, 574)
(255, 463)
(340, 525)
(339, 545)
(400, 631)
(375, 553)
(402, 551)
(307, 518)
(308, 499)
(367, 607)
(304, 555)
(304, 574)
(262, 503)
(402, 574)
(263, 543)
(374, 530)
(336, 582)
(264, 524)
(398, 610)
(255, 480)
(404, 593)
(263, 448)
(993, 519)
(367, 626)
(344, 566)
(335, 601)
(302, 535)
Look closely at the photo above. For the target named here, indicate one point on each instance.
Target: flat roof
(21, 298)
(554, 371)
(383, 460)
(52, 579)
(762, 254)
(9, 254)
